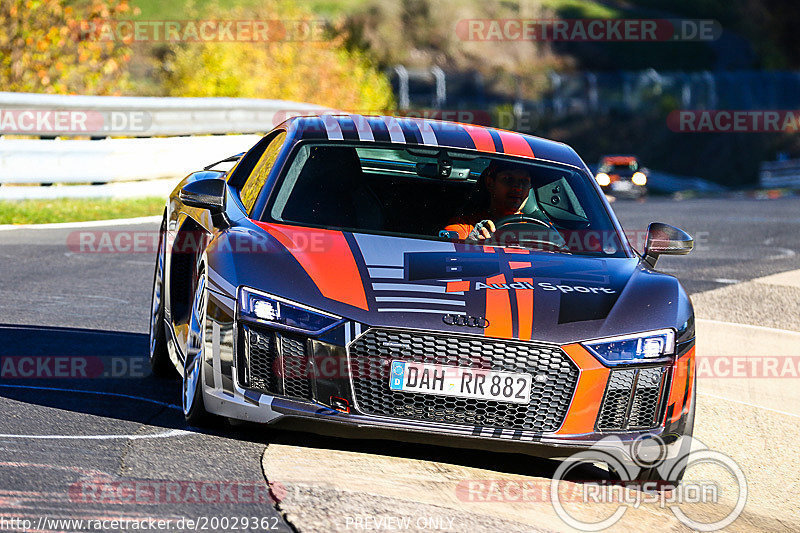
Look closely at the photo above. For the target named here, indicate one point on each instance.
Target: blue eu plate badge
(398, 370)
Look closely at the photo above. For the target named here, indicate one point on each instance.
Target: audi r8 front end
(313, 286)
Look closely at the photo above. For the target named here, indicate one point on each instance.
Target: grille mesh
(618, 395)
(555, 378)
(284, 373)
(632, 399)
(264, 361)
(645, 399)
(295, 363)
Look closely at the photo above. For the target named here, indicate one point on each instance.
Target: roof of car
(428, 132)
(619, 159)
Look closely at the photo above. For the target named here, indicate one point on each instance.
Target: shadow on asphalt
(100, 373)
(505, 462)
(105, 373)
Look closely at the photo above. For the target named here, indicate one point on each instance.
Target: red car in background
(622, 176)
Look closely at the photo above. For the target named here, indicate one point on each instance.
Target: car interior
(408, 191)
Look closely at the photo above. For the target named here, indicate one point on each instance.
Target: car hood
(497, 292)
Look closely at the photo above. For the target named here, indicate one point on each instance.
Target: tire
(668, 482)
(160, 362)
(192, 389)
(673, 478)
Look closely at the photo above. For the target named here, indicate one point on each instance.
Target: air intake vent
(276, 364)
(632, 399)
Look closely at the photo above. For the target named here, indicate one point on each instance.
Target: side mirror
(663, 239)
(208, 194)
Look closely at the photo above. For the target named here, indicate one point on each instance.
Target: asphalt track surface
(66, 441)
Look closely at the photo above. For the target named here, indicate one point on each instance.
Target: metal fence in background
(600, 92)
(144, 138)
(785, 173)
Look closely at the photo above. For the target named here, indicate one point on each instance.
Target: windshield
(418, 192)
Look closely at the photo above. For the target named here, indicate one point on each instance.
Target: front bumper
(288, 372)
(625, 189)
(304, 416)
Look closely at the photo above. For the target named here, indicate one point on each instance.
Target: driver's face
(509, 190)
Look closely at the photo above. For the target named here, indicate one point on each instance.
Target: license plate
(460, 382)
(622, 186)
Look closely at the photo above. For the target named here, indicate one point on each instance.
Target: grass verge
(77, 209)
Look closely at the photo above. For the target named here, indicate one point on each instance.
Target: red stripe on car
(515, 144)
(498, 310)
(327, 259)
(481, 137)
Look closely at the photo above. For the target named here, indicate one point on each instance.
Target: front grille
(645, 399)
(555, 378)
(618, 396)
(264, 361)
(296, 379)
(632, 399)
(277, 364)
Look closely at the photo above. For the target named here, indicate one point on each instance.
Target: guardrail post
(712, 89)
(402, 78)
(592, 94)
(441, 89)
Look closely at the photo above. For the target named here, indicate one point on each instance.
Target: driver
(502, 190)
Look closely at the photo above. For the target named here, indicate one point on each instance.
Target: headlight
(276, 311)
(639, 178)
(603, 179)
(638, 348)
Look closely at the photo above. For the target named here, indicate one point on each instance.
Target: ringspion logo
(629, 459)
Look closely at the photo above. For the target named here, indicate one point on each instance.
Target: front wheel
(193, 406)
(159, 356)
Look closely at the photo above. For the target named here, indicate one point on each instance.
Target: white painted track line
(164, 435)
(84, 224)
(750, 326)
(99, 393)
(748, 404)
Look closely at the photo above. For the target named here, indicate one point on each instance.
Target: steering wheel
(520, 229)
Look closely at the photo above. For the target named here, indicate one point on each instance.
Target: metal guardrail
(145, 116)
(171, 136)
(780, 173)
(83, 161)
